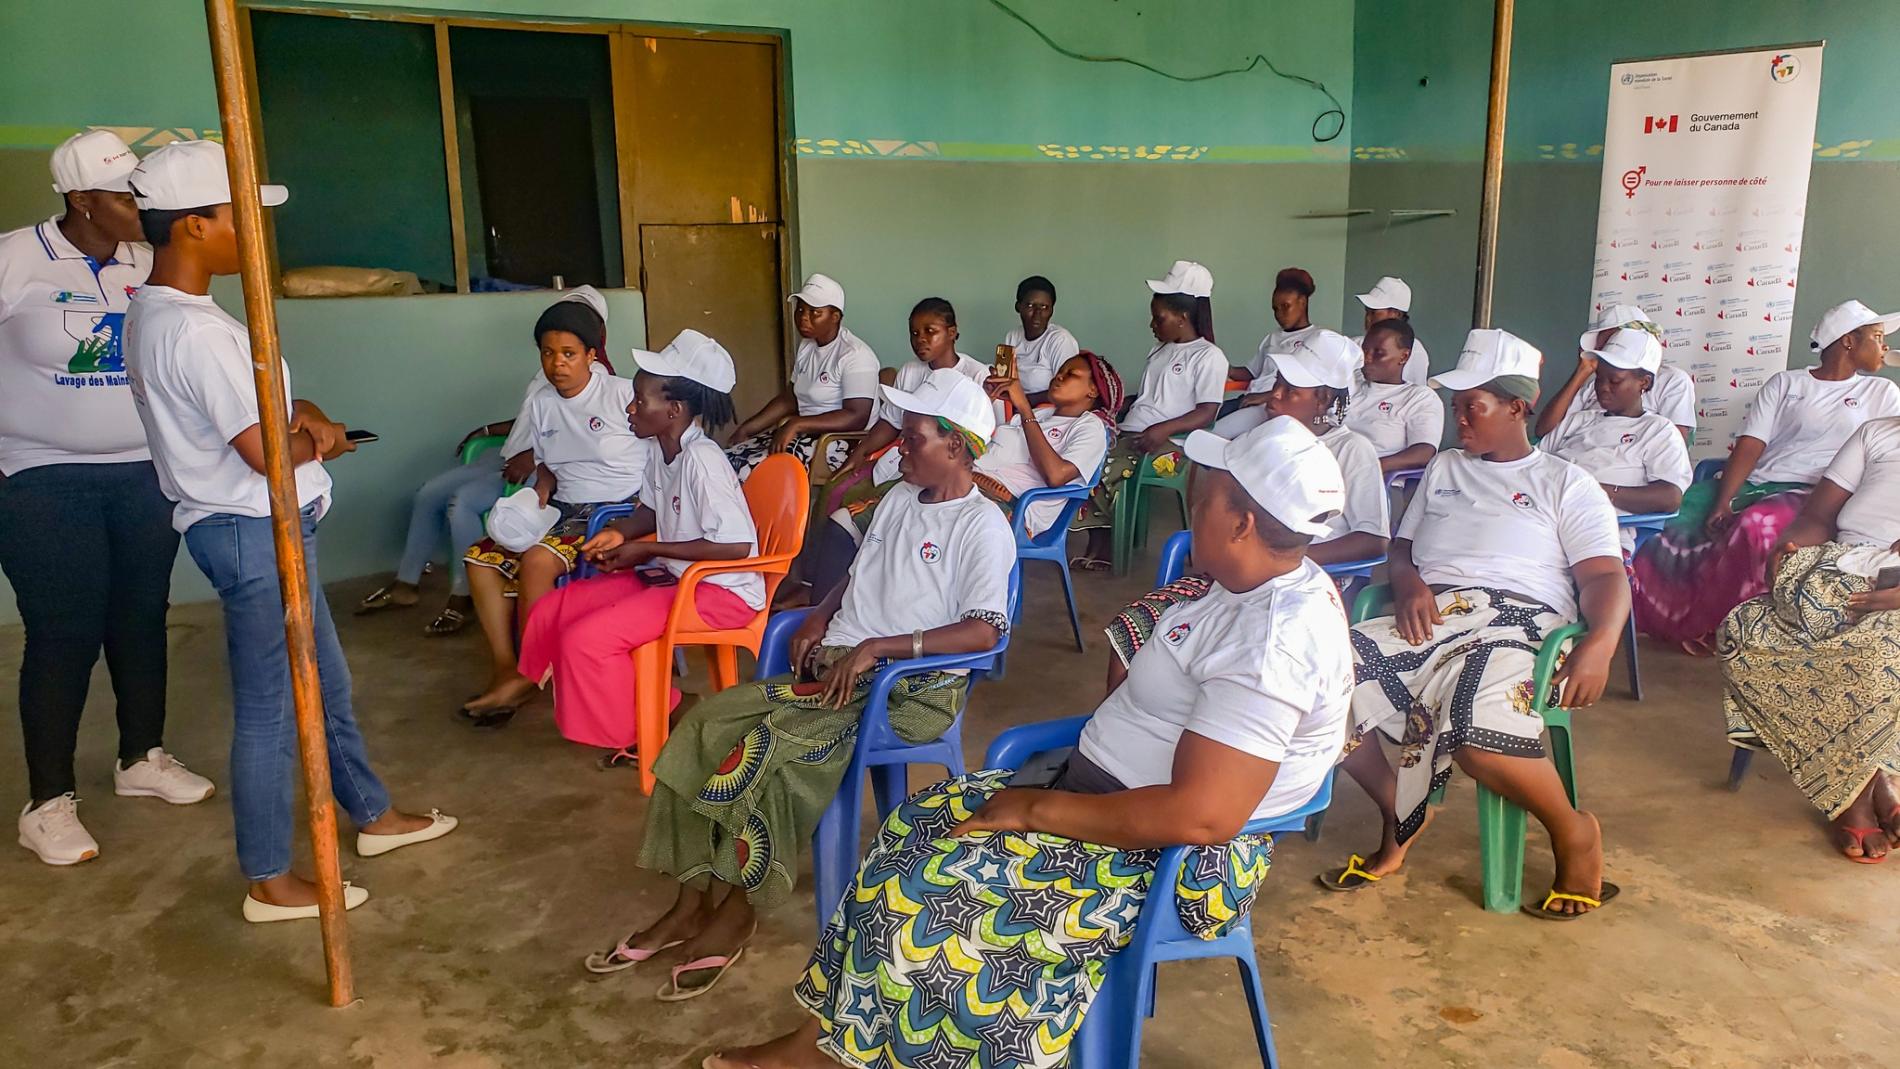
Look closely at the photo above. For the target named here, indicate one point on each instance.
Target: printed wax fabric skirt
(987, 950)
(563, 540)
(747, 773)
(1809, 684)
(1123, 457)
(1469, 686)
(1685, 582)
(748, 454)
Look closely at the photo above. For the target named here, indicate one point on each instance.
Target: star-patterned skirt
(986, 951)
(1469, 686)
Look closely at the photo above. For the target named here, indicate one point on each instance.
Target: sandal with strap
(1335, 879)
(625, 757)
(1544, 912)
(486, 718)
(1089, 564)
(446, 622)
(671, 991)
(383, 597)
(1860, 836)
(622, 957)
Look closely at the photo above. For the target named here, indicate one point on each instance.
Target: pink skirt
(1685, 583)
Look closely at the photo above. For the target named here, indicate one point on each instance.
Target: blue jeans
(454, 499)
(237, 555)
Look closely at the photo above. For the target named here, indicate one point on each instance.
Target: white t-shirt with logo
(824, 377)
(1868, 467)
(1179, 376)
(190, 368)
(1038, 361)
(1517, 525)
(1268, 672)
(910, 377)
(1264, 371)
(1672, 397)
(1623, 451)
(1367, 507)
(1081, 440)
(1418, 366)
(1805, 421)
(63, 395)
(585, 441)
(519, 437)
(925, 565)
(698, 497)
(1395, 416)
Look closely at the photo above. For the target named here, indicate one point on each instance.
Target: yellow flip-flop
(1335, 880)
(1544, 912)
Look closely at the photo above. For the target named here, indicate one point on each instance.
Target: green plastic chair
(1500, 823)
(477, 446)
(1131, 506)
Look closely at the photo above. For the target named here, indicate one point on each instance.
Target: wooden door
(721, 279)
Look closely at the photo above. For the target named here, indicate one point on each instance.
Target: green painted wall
(940, 148)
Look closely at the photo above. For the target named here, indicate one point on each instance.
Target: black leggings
(88, 549)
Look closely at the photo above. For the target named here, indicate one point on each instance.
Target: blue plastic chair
(1402, 480)
(1180, 546)
(1052, 544)
(1647, 525)
(878, 750)
(1110, 1037)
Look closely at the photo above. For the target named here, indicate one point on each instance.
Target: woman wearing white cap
(1672, 396)
(1403, 420)
(833, 386)
(1391, 298)
(1828, 630)
(581, 635)
(1502, 543)
(1638, 457)
(987, 897)
(585, 455)
(746, 774)
(454, 500)
(1714, 556)
(1181, 391)
(85, 531)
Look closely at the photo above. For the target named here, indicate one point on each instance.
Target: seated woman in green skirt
(981, 921)
(746, 774)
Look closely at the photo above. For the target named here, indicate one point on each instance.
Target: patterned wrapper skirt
(1685, 582)
(1811, 685)
(564, 541)
(988, 950)
(1099, 510)
(747, 773)
(748, 454)
(1469, 686)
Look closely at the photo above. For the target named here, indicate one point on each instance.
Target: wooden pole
(1493, 161)
(240, 151)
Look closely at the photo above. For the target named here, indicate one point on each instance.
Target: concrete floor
(1740, 940)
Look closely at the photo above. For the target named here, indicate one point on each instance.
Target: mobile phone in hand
(359, 437)
(1887, 579)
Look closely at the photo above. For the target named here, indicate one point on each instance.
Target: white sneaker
(54, 833)
(440, 824)
(160, 775)
(263, 912)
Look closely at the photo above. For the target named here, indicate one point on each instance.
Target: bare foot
(508, 692)
(793, 1050)
(1579, 851)
(289, 889)
(686, 918)
(396, 822)
(1390, 856)
(1887, 806)
(1854, 832)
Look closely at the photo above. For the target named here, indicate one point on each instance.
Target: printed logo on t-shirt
(1629, 439)
(69, 297)
(1178, 634)
(1385, 407)
(1447, 491)
(131, 292)
(1178, 367)
(1851, 402)
(824, 377)
(1054, 434)
(98, 348)
(676, 504)
(1523, 500)
(596, 424)
(930, 552)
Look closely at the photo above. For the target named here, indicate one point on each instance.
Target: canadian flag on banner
(1659, 124)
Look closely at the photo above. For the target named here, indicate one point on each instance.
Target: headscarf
(971, 440)
(1108, 390)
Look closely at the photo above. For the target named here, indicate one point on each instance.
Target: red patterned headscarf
(1108, 390)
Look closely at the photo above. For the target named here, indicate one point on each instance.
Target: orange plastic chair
(779, 499)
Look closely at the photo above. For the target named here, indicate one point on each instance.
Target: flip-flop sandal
(1544, 912)
(379, 599)
(622, 957)
(446, 622)
(486, 718)
(1860, 836)
(1337, 879)
(627, 757)
(1089, 564)
(671, 991)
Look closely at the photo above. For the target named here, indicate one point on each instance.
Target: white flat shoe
(264, 913)
(440, 824)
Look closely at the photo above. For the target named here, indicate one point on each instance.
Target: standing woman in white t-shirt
(1293, 290)
(1502, 544)
(1714, 556)
(581, 636)
(1403, 420)
(85, 531)
(1041, 346)
(1181, 391)
(585, 456)
(833, 386)
(746, 774)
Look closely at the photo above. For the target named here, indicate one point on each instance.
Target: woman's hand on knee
(1415, 611)
(1585, 674)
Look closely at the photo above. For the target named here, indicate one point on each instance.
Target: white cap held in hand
(1846, 318)
(691, 355)
(947, 394)
(1283, 467)
(1490, 355)
(1388, 292)
(190, 174)
(96, 159)
(1187, 277)
(820, 291)
(1614, 317)
(518, 521)
(1633, 349)
(1321, 358)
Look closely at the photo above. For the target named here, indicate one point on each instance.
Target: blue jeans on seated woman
(454, 499)
(236, 553)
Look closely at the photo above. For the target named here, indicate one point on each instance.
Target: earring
(89, 217)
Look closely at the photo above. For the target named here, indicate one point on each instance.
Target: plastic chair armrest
(1017, 745)
(1353, 567)
(700, 570)
(1371, 601)
(1404, 475)
(775, 649)
(1645, 519)
(604, 514)
(1019, 516)
(476, 446)
(1547, 655)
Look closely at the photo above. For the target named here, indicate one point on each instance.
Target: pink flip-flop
(673, 992)
(622, 957)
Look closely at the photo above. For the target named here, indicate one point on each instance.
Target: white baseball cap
(1633, 349)
(1846, 318)
(518, 521)
(1320, 358)
(96, 159)
(190, 174)
(820, 291)
(588, 296)
(1388, 292)
(1488, 355)
(691, 355)
(946, 393)
(1283, 467)
(1187, 277)
(1612, 318)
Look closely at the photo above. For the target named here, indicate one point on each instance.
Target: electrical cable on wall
(1336, 113)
